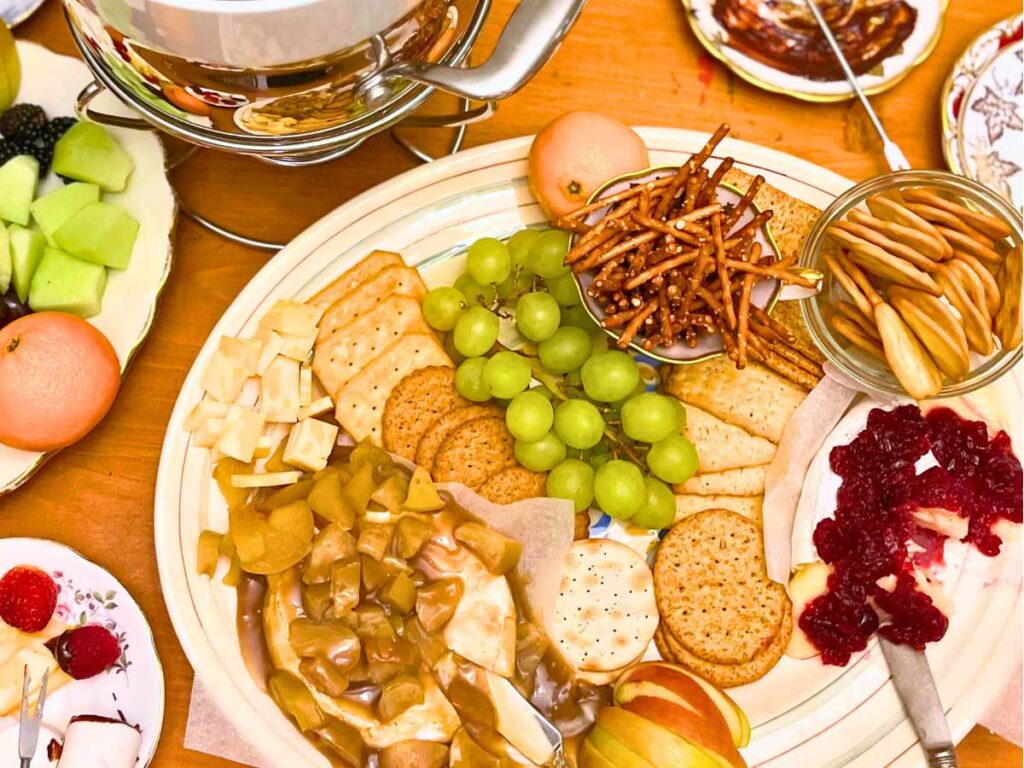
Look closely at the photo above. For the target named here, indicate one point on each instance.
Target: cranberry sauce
(868, 541)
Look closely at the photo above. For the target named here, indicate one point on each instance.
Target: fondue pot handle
(529, 39)
(84, 111)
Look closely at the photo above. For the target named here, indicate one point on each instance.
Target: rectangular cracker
(340, 357)
(721, 445)
(359, 404)
(356, 275)
(690, 504)
(744, 481)
(754, 398)
(390, 281)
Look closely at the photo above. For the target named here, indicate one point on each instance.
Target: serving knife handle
(913, 679)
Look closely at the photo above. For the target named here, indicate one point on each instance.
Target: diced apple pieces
(224, 377)
(63, 283)
(6, 266)
(87, 152)
(101, 233)
(27, 247)
(51, 210)
(18, 179)
(310, 444)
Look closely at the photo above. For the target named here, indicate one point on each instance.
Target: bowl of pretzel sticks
(922, 289)
(681, 266)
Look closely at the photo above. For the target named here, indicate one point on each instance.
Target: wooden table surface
(634, 59)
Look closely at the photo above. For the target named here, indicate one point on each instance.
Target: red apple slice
(710, 735)
(656, 744)
(613, 750)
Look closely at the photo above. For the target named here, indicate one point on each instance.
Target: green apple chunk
(6, 267)
(53, 209)
(63, 283)
(27, 248)
(87, 152)
(18, 179)
(101, 233)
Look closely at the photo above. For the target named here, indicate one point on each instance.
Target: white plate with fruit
(97, 247)
(61, 614)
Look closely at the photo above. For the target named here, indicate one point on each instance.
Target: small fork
(28, 729)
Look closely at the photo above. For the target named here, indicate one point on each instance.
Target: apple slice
(589, 757)
(655, 743)
(712, 735)
(614, 750)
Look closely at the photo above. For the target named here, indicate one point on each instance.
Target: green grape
(565, 350)
(579, 424)
(529, 416)
(577, 316)
(442, 307)
(469, 380)
(506, 374)
(608, 376)
(540, 455)
(673, 459)
(518, 281)
(537, 316)
(619, 488)
(475, 292)
(563, 287)
(520, 243)
(574, 480)
(475, 331)
(650, 417)
(488, 261)
(658, 510)
(547, 254)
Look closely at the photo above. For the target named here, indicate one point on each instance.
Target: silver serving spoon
(911, 673)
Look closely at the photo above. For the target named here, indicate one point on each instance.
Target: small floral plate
(133, 688)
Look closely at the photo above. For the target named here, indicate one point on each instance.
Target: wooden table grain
(636, 59)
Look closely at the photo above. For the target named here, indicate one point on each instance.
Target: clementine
(58, 378)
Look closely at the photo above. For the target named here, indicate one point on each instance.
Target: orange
(58, 378)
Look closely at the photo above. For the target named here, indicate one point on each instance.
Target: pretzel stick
(634, 324)
(618, 197)
(723, 273)
(744, 202)
(711, 188)
(752, 254)
(661, 268)
(778, 271)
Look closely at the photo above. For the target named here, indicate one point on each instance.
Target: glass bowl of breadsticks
(922, 288)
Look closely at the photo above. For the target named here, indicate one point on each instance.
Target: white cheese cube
(206, 436)
(241, 433)
(265, 480)
(245, 351)
(271, 345)
(310, 444)
(297, 347)
(316, 408)
(279, 396)
(292, 317)
(224, 377)
(203, 412)
(305, 385)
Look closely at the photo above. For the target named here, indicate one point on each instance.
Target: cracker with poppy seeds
(430, 442)
(420, 399)
(712, 589)
(339, 357)
(359, 405)
(365, 297)
(512, 484)
(473, 451)
(605, 615)
(356, 275)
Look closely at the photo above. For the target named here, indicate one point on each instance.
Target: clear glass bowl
(871, 373)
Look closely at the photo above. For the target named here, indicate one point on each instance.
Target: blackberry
(8, 149)
(56, 128)
(23, 121)
(41, 151)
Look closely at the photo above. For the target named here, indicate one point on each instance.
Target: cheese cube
(206, 436)
(265, 480)
(203, 412)
(297, 347)
(271, 346)
(292, 317)
(245, 351)
(224, 377)
(241, 433)
(305, 385)
(316, 408)
(310, 444)
(279, 396)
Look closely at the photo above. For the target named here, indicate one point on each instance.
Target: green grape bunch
(577, 409)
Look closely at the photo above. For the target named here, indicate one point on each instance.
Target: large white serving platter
(129, 303)
(804, 714)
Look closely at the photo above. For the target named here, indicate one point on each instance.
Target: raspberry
(28, 597)
(85, 651)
